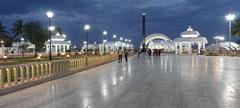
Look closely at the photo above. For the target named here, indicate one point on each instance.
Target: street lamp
(50, 14)
(114, 41)
(104, 34)
(126, 40)
(121, 38)
(2, 44)
(86, 28)
(129, 42)
(230, 17)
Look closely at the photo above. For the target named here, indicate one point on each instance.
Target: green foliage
(236, 28)
(4, 36)
(36, 34)
(17, 29)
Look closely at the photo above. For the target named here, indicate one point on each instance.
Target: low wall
(15, 77)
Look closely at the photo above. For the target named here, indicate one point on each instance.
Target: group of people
(122, 52)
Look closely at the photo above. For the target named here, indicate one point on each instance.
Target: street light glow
(2, 42)
(50, 14)
(219, 38)
(129, 40)
(121, 38)
(125, 40)
(105, 40)
(86, 27)
(22, 39)
(51, 28)
(144, 14)
(105, 32)
(230, 17)
(114, 36)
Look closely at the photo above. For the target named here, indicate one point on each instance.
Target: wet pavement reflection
(168, 81)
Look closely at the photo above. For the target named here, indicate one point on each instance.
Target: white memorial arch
(166, 43)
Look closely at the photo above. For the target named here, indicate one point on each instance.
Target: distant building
(111, 46)
(59, 44)
(188, 39)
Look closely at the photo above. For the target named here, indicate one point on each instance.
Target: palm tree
(2, 30)
(236, 28)
(17, 29)
(5, 37)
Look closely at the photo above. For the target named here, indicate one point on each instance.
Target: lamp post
(126, 42)
(143, 31)
(21, 43)
(129, 42)
(2, 44)
(50, 14)
(86, 28)
(114, 41)
(230, 17)
(121, 38)
(104, 34)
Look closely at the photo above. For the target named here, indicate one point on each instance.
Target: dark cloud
(123, 17)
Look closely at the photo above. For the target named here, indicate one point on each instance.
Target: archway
(166, 43)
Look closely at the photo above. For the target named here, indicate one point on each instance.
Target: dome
(190, 33)
(58, 37)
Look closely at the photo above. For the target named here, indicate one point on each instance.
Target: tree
(17, 29)
(236, 28)
(36, 34)
(4, 36)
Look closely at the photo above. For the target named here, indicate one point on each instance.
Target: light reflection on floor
(168, 81)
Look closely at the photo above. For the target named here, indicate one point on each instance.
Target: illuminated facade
(188, 39)
(59, 44)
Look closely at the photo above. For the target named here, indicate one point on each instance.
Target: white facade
(187, 40)
(59, 44)
(111, 46)
(224, 45)
(114, 46)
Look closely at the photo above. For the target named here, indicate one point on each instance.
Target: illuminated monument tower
(143, 32)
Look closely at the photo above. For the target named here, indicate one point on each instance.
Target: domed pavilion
(188, 40)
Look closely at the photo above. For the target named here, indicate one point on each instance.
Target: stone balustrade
(13, 75)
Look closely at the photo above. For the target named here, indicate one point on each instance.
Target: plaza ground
(168, 81)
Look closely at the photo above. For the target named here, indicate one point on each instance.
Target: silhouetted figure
(126, 54)
(120, 53)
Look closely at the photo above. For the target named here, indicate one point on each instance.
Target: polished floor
(169, 81)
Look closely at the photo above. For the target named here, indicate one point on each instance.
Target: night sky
(123, 17)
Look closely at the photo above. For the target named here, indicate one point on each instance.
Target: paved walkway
(150, 82)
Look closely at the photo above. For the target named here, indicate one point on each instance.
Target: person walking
(126, 54)
(120, 53)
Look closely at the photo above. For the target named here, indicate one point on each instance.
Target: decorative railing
(13, 75)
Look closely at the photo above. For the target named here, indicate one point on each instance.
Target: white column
(47, 48)
(189, 48)
(180, 48)
(199, 47)
(176, 48)
(64, 50)
(204, 45)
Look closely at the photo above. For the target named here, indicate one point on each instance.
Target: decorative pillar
(204, 45)
(180, 48)
(189, 48)
(176, 48)
(64, 50)
(199, 47)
